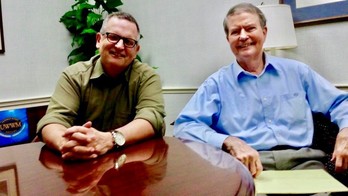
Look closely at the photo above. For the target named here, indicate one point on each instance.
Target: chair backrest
(325, 133)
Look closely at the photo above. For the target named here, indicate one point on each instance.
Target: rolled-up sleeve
(150, 103)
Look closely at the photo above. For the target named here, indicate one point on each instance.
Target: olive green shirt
(85, 93)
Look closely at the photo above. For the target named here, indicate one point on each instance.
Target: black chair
(324, 138)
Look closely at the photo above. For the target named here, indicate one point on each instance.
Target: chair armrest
(324, 138)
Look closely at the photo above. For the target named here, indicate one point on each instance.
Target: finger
(259, 168)
(74, 156)
(341, 164)
(344, 165)
(68, 146)
(74, 129)
(79, 152)
(83, 150)
(338, 164)
(333, 158)
(81, 138)
(76, 147)
(88, 124)
(253, 168)
(245, 161)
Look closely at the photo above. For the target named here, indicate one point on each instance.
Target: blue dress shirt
(274, 108)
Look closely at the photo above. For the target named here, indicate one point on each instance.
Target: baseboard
(42, 101)
(24, 103)
(179, 90)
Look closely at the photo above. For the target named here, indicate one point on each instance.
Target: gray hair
(119, 15)
(245, 7)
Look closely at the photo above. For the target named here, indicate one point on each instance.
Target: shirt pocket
(293, 107)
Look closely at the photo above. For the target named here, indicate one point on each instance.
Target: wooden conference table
(159, 166)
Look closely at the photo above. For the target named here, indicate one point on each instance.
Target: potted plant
(83, 21)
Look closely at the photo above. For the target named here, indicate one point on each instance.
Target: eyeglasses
(114, 38)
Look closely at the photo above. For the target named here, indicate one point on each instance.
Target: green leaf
(89, 31)
(138, 57)
(98, 25)
(81, 14)
(79, 40)
(77, 55)
(93, 18)
(75, 52)
(68, 15)
(86, 6)
(83, 21)
(80, 27)
(113, 3)
(68, 18)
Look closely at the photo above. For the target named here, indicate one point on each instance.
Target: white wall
(173, 104)
(185, 39)
(324, 48)
(36, 47)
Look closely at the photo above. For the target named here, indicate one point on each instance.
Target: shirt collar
(238, 72)
(98, 68)
(98, 71)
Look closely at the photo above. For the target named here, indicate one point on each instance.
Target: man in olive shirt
(111, 100)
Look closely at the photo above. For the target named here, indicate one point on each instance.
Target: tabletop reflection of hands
(80, 176)
(103, 174)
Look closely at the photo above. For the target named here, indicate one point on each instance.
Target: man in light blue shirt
(260, 103)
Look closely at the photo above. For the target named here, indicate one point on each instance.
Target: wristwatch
(118, 137)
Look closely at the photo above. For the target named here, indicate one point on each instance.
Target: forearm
(137, 130)
(52, 135)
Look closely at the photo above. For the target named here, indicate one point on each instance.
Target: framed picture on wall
(2, 43)
(8, 180)
(317, 11)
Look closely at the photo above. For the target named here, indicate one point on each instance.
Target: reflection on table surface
(144, 164)
(241, 175)
(162, 166)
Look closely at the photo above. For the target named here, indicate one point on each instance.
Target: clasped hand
(84, 142)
